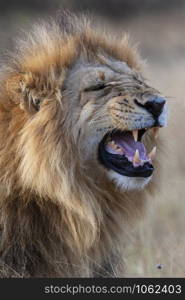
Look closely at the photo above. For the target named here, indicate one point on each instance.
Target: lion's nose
(155, 106)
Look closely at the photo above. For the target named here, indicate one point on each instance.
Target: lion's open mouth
(123, 152)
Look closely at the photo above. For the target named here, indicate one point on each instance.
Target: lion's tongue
(128, 146)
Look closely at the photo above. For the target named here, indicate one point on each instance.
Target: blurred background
(157, 246)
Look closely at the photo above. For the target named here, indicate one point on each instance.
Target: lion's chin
(126, 183)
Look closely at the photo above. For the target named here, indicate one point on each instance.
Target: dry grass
(158, 246)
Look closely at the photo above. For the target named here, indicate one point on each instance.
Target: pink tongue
(127, 143)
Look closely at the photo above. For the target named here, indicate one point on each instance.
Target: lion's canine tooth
(155, 132)
(135, 135)
(152, 154)
(136, 159)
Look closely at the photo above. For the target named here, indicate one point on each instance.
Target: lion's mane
(55, 221)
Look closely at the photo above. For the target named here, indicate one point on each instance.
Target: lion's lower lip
(126, 155)
(126, 168)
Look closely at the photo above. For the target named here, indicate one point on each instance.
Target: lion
(78, 123)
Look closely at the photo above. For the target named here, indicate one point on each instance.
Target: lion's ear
(22, 91)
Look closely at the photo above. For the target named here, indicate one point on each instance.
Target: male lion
(74, 113)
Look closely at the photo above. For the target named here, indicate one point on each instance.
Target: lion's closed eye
(96, 87)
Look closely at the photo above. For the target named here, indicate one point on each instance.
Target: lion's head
(80, 107)
(117, 110)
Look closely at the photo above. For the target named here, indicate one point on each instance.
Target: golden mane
(55, 220)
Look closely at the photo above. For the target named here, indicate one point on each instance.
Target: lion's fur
(55, 220)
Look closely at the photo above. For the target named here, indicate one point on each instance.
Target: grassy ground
(158, 247)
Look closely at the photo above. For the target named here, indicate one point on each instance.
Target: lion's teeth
(112, 144)
(152, 154)
(119, 150)
(136, 159)
(135, 135)
(116, 148)
(155, 132)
